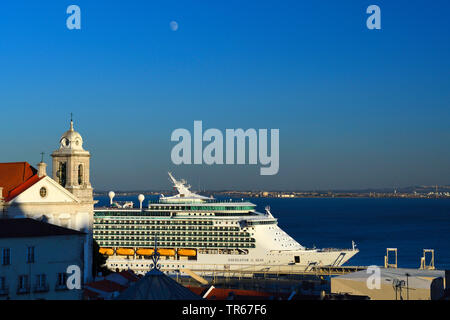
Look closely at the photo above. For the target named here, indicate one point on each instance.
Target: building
(65, 200)
(395, 284)
(155, 285)
(35, 257)
(109, 287)
(127, 285)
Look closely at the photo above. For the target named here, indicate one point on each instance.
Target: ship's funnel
(141, 199)
(111, 195)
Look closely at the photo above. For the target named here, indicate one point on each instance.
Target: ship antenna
(181, 186)
(172, 179)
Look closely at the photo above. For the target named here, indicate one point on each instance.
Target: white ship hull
(276, 262)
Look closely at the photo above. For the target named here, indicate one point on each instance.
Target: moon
(174, 25)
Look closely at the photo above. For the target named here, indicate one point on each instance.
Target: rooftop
(16, 177)
(26, 227)
(155, 285)
(110, 286)
(417, 278)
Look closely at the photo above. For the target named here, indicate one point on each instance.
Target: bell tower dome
(71, 165)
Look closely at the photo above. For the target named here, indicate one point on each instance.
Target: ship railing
(203, 201)
(332, 249)
(116, 208)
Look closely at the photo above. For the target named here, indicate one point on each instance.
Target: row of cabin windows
(6, 255)
(157, 222)
(199, 233)
(175, 239)
(97, 227)
(255, 223)
(208, 244)
(144, 231)
(210, 208)
(145, 213)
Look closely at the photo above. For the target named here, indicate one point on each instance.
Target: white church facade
(65, 199)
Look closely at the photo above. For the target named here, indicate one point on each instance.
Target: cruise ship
(194, 232)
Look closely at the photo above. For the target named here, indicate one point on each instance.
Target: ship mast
(182, 189)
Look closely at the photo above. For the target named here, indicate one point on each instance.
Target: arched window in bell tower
(62, 174)
(80, 174)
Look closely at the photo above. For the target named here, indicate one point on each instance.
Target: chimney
(42, 169)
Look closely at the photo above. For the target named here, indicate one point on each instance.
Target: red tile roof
(129, 275)
(102, 288)
(105, 286)
(16, 177)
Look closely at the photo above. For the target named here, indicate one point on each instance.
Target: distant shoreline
(292, 195)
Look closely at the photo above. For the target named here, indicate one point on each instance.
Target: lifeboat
(145, 252)
(166, 252)
(125, 251)
(107, 251)
(187, 252)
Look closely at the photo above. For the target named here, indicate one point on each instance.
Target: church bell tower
(71, 165)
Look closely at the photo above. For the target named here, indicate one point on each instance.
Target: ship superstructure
(199, 233)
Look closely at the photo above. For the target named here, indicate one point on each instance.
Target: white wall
(53, 254)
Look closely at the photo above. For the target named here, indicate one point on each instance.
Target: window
(6, 256)
(41, 284)
(2, 283)
(43, 192)
(80, 174)
(30, 254)
(61, 174)
(61, 280)
(23, 284)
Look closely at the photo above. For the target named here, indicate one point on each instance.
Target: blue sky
(356, 108)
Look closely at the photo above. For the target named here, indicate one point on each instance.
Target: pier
(200, 274)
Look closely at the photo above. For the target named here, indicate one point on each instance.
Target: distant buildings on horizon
(424, 192)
